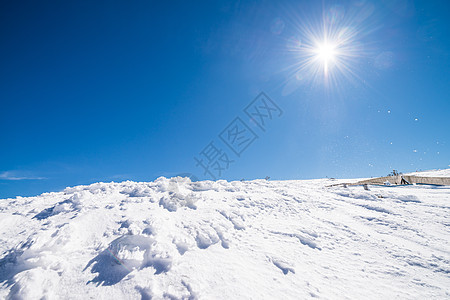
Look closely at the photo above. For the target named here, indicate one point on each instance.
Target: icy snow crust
(177, 239)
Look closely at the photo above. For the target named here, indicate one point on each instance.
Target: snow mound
(177, 239)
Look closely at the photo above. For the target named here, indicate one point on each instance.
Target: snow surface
(260, 239)
(432, 173)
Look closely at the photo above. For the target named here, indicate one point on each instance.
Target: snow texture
(177, 239)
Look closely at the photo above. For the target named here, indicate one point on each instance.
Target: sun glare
(326, 52)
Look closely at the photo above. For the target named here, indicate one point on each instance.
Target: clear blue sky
(115, 90)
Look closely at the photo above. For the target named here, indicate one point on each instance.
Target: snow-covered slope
(432, 173)
(226, 240)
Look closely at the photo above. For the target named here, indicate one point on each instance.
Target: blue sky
(118, 90)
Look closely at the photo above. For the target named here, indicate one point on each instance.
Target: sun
(326, 52)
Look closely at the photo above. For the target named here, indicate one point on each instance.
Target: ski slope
(176, 239)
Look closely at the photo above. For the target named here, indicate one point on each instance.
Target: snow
(432, 173)
(177, 239)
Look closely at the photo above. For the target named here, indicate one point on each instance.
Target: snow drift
(177, 239)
